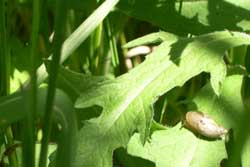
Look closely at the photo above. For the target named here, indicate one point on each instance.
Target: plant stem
(9, 142)
(235, 152)
(29, 123)
(163, 109)
(180, 6)
(95, 44)
(60, 22)
(113, 46)
(5, 57)
(5, 74)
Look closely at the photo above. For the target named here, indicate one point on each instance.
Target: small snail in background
(204, 125)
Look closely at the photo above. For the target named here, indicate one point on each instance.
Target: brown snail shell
(204, 125)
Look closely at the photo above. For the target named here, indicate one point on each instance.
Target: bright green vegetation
(71, 94)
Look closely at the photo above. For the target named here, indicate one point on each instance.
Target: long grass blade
(5, 72)
(60, 22)
(80, 34)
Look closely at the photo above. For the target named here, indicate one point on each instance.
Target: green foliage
(63, 115)
(130, 115)
(128, 106)
(195, 17)
(178, 146)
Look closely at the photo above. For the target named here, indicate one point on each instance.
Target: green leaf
(228, 111)
(196, 17)
(180, 147)
(10, 109)
(126, 160)
(153, 38)
(17, 80)
(74, 83)
(227, 108)
(127, 100)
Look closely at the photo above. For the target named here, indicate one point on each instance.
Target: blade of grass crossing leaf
(80, 34)
(60, 22)
(29, 123)
(85, 29)
(5, 72)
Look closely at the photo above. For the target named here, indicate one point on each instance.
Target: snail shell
(204, 125)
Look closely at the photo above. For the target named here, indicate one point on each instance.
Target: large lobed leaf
(196, 17)
(127, 100)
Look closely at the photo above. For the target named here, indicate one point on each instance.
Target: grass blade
(60, 22)
(29, 123)
(5, 72)
(80, 34)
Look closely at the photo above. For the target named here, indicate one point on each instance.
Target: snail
(201, 123)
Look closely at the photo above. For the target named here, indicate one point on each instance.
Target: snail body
(204, 125)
